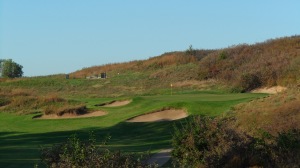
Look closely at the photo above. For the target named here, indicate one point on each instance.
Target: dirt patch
(115, 103)
(270, 90)
(68, 115)
(165, 115)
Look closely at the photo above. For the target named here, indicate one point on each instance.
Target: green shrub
(77, 153)
(286, 151)
(205, 142)
(223, 55)
(190, 51)
(4, 101)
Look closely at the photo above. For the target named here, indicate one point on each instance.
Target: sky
(61, 36)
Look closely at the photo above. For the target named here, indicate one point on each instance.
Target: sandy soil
(270, 90)
(54, 116)
(117, 103)
(166, 115)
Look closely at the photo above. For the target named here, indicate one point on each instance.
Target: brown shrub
(205, 142)
(273, 62)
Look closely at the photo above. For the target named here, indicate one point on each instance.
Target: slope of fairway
(21, 136)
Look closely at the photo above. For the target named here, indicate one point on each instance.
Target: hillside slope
(238, 68)
(243, 67)
(274, 62)
(151, 64)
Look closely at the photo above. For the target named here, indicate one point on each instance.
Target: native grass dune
(164, 115)
(115, 103)
(70, 115)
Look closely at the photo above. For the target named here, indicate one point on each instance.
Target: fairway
(21, 136)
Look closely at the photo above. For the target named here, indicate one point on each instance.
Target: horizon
(60, 37)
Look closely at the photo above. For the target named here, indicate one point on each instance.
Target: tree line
(10, 69)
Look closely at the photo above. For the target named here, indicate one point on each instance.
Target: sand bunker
(270, 90)
(65, 116)
(115, 103)
(165, 115)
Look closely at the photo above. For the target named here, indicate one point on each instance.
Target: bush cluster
(77, 153)
(207, 142)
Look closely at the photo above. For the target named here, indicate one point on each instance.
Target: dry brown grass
(277, 113)
(173, 58)
(195, 84)
(22, 92)
(24, 101)
(53, 98)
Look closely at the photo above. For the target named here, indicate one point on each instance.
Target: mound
(165, 115)
(270, 90)
(115, 103)
(68, 115)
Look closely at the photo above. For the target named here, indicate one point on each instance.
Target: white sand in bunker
(270, 90)
(165, 115)
(65, 116)
(117, 103)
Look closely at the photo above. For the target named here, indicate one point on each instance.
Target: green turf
(21, 136)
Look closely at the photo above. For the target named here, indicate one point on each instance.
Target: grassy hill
(238, 68)
(273, 62)
(203, 82)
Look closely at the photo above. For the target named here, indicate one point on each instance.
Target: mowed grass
(21, 136)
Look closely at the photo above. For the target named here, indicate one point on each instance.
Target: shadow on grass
(23, 150)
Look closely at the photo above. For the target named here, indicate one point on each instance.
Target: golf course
(214, 108)
(22, 135)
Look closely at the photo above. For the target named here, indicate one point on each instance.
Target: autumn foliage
(249, 66)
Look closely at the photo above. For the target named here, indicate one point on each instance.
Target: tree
(191, 51)
(10, 69)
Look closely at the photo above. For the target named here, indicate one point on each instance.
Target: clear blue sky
(62, 36)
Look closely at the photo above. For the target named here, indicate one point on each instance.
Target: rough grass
(25, 101)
